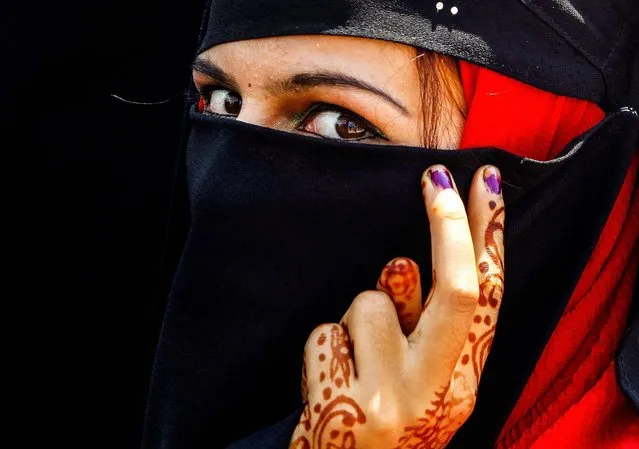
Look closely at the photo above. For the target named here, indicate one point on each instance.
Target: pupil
(348, 128)
(232, 104)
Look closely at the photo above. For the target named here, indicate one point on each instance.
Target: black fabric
(286, 230)
(276, 436)
(627, 361)
(578, 48)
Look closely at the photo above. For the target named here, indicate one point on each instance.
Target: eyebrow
(213, 71)
(314, 79)
(301, 81)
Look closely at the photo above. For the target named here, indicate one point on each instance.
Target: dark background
(95, 182)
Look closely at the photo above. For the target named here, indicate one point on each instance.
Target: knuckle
(370, 310)
(463, 302)
(371, 302)
(445, 211)
(465, 293)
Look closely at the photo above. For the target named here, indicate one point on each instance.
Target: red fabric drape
(572, 398)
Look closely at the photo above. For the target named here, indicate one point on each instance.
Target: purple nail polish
(492, 179)
(441, 178)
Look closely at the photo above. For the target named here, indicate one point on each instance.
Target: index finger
(443, 325)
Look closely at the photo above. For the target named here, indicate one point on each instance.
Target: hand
(394, 374)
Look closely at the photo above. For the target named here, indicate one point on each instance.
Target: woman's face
(333, 87)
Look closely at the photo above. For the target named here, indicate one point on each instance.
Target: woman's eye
(220, 102)
(336, 125)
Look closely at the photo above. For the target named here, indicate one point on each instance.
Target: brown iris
(347, 128)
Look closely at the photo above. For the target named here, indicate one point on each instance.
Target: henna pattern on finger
(492, 248)
(305, 419)
(399, 279)
(329, 423)
(490, 292)
(340, 357)
(300, 443)
(480, 350)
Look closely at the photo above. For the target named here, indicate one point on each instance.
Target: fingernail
(492, 179)
(441, 178)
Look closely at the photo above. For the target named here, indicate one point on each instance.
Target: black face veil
(286, 230)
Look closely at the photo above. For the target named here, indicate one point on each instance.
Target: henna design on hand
(440, 422)
(331, 419)
(329, 423)
(341, 408)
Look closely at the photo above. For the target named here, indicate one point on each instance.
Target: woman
(287, 229)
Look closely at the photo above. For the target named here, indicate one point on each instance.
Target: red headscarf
(572, 398)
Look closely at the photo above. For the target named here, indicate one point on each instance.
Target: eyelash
(317, 108)
(203, 95)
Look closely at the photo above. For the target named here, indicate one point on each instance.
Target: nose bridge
(254, 111)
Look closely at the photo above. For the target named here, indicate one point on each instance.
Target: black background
(95, 183)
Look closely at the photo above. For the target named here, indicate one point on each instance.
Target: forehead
(376, 60)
